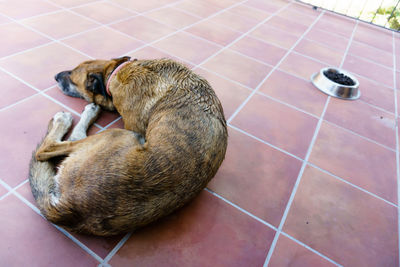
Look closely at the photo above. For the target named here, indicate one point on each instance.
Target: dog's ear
(95, 84)
(121, 60)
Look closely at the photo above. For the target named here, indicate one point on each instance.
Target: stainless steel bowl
(331, 88)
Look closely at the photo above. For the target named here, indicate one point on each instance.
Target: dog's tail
(41, 179)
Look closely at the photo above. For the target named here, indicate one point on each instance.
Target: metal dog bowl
(334, 89)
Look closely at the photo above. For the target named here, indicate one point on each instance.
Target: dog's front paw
(64, 118)
(92, 110)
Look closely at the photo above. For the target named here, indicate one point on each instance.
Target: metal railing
(384, 13)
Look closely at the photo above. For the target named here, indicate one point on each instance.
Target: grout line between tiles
(361, 136)
(311, 164)
(353, 185)
(116, 248)
(119, 118)
(102, 128)
(99, 25)
(114, 121)
(42, 93)
(303, 166)
(10, 189)
(236, 40)
(267, 224)
(309, 248)
(241, 209)
(284, 103)
(35, 209)
(397, 143)
(296, 185)
(184, 28)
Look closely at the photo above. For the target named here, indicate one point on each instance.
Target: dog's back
(119, 184)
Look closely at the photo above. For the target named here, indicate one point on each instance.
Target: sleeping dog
(118, 180)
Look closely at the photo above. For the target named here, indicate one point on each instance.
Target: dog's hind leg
(58, 127)
(52, 145)
(89, 115)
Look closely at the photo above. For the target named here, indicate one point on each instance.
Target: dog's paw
(92, 110)
(64, 118)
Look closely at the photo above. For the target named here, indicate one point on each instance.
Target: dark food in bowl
(339, 78)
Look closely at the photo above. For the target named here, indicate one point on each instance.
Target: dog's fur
(174, 141)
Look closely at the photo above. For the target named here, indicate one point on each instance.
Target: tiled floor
(308, 180)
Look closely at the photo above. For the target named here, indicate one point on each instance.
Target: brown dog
(174, 141)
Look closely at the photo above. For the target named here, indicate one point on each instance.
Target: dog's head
(88, 80)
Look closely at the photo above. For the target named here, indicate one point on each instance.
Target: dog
(173, 142)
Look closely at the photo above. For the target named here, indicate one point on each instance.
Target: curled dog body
(118, 180)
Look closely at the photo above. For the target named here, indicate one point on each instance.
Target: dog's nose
(61, 74)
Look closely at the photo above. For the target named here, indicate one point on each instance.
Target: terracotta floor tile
(3, 191)
(4, 20)
(374, 36)
(143, 6)
(16, 38)
(359, 161)
(268, 6)
(28, 130)
(289, 253)
(145, 29)
(274, 36)
(104, 12)
(300, 65)
(250, 12)
(38, 66)
(214, 32)
(396, 43)
(19, 9)
(26, 192)
(256, 177)
(320, 52)
(234, 21)
(78, 104)
(12, 90)
(372, 53)
(71, 3)
(173, 17)
(238, 68)
(332, 40)
(277, 124)
(99, 245)
(286, 25)
(369, 69)
(259, 50)
(118, 124)
(198, 8)
(292, 14)
(294, 91)
(335, 24)
(102, 246)
(106, 40)
(178, 43)
(149, 52)
(376, 94)
(219, 3)
(363, 119)
(208, 228)
(343, 223)
(34, 240)
(53, 25)
(230, 94)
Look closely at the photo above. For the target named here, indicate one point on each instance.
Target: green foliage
(392, 17)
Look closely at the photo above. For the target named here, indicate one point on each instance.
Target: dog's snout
(61, 74)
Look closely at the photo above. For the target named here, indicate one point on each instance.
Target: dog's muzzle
(65, 84)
